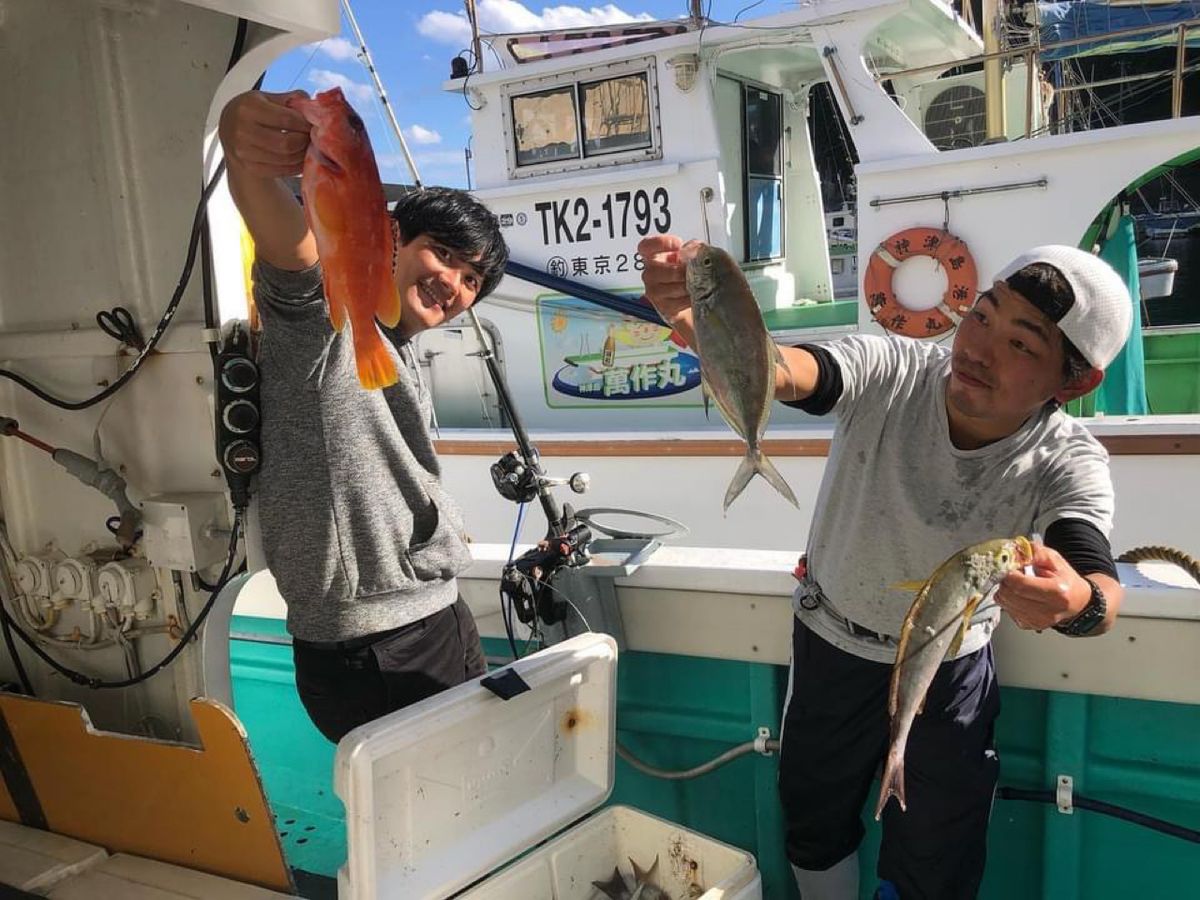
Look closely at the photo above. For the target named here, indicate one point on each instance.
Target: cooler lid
(441, 793)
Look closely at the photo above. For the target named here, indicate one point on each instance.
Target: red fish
(345, 207)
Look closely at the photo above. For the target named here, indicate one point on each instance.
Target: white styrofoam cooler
(443, 793)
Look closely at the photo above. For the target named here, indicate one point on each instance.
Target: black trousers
(343, 686)
(835, 735)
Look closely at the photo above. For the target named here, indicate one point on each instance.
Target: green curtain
(1123, 391)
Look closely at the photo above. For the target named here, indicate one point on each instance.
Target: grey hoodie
(357, 529)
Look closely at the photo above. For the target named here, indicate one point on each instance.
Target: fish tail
(756, 462)
(892, 783)
(376, 368)
(767, 469)
(741, 478)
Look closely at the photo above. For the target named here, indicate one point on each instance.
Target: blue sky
(412, 43)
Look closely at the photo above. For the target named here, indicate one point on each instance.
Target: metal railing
(1031, 55)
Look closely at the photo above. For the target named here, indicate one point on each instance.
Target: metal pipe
(1030, 78)
(993, 74)
(370, 64)
(476, 44)
(829, 53)
(961, 192)
(1177, 79)
(1056, 45)
(1107, 82)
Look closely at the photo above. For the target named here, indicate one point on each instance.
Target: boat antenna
(696, 12)
(476, 45)
(383, 97)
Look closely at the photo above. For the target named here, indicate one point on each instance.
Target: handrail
(1183, 27)
(1032, 54)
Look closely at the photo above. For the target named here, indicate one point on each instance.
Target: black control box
(239, 413)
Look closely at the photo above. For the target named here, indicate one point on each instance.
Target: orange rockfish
(345, 207)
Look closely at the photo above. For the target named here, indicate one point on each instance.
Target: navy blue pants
(835, 736)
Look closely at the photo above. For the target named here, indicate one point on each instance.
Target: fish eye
(1003, 557)
(708, 260)
(355, 121)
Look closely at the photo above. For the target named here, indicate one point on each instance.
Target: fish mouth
(1024, 552)
(690, 250)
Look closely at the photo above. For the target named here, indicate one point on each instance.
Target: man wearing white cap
(936, 448)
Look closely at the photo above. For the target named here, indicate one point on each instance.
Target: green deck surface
(677, 711)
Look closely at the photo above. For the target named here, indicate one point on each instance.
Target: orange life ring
(962, 281)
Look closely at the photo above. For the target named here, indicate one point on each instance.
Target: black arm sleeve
(829, 384)
(1082, 545)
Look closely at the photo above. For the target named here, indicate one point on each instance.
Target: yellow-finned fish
(934, 629)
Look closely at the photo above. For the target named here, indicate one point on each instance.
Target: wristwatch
(1089, 617)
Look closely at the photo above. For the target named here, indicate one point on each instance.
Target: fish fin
(911, 586)
(968, 611)
(741, 478)
(337, 309)
(615, 888)
(388, 309)
(376, 368)
(327, 208)
(767, 470)
(644, 876)
(892, 783)
(779, 360)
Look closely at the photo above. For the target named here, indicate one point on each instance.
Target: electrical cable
(1079, 801)
(159, 330)
(96, 683)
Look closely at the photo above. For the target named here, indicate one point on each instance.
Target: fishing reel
(521, 482)
(527, 580)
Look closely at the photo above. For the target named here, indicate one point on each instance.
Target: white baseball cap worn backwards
(1099, 319)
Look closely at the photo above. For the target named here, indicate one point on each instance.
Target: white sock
(838, 882)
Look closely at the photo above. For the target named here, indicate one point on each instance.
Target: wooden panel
(1117, 445)
(200, 808)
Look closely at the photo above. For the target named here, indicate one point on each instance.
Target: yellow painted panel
(200, 808)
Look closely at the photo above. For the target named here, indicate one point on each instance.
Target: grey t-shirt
(898, 497)
(357, 529)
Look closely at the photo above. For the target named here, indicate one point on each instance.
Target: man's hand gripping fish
(934, 629)
(737, 357)
(344, 204)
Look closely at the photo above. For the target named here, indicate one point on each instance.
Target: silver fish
(616, 888)
(737, 357)
(934, 628)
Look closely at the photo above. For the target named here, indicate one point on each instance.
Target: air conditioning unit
(951, 111)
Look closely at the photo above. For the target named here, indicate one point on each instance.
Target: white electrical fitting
(130, 585)
(34, 574)
(74, 578)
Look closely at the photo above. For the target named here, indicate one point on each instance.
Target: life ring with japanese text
(962, 280)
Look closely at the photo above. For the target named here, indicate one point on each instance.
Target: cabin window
(606, 115)
(762, 117)
(616, 114)
(544, 126)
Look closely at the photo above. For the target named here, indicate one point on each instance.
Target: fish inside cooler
(675, 864)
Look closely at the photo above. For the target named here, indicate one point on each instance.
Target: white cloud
(335, 48)
(356, 92)
(503, 16)
(418, 134)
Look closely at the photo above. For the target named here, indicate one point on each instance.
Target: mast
(993, 73)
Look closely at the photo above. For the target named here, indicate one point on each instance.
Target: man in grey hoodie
(363, 541)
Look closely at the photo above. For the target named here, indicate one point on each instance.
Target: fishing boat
(152, 737)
